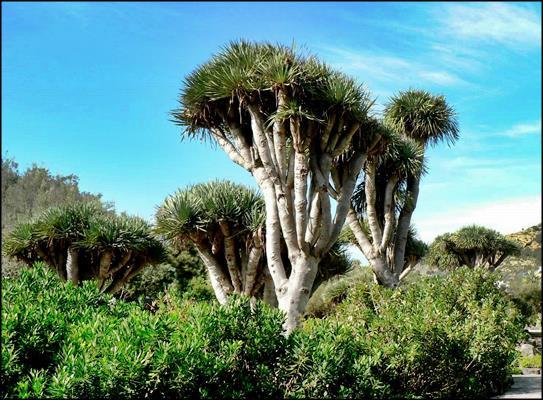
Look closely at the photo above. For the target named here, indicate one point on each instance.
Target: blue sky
(87, 88)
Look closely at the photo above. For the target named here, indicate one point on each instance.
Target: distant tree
(224, 221)
(384, 201)
(25, 195)
(473, 246)
(81, 242)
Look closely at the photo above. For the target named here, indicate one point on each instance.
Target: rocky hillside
(530, 240)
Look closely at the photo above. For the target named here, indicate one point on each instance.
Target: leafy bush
(451, 336)
(442, 337)
(530, 361)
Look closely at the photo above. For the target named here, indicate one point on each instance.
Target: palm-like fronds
(244, 72)
(200, 208)
(68, 222)
(21, 241)
(467, 245)
(86, 228)
(422, 116)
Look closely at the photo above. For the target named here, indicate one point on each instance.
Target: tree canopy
(474, 246)
(81, 242)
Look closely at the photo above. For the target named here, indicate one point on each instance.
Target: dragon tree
(293, 123)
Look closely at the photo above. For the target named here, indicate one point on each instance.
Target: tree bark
(105, 263)
(231, 257)
(220, 283)
(294, 301)
(72, 265)
(404, 221)
(252, 264)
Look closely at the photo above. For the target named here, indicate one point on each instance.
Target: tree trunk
(220, 283)
(294, 300)
(231, 257)
(105, 263)
(72, 265)
(403, 224)
(385, 276)
(269, 296)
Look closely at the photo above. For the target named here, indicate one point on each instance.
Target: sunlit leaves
(422, 116)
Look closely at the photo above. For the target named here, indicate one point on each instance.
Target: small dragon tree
(473, 246)
(384, 202)
(224, 221)
(292, 122)
(81, 243)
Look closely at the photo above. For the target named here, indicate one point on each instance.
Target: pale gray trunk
(230, 255)
(294, 301)
(403, 223)
(252, 265)
(220, 283)
(72, 265)
(273, 233)
(385, 276)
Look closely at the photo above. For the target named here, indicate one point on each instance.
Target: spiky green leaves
(472, 246)
(84, 226)
(245, 72)
(200, 207)
(422, 116)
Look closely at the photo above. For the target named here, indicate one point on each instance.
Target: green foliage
(199, 208)
(441, 337)
(473, 246)
(249, 72)
(438, 338)
(422, 116)
(88, 229)
(75, 342)
(26, 194)
(530, 361)
(333, 291)
(183, 273)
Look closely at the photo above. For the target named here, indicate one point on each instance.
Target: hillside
(530, 240)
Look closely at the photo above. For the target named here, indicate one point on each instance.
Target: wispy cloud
(503, 23)
(522, 130)
(505, 216)
(387, 68)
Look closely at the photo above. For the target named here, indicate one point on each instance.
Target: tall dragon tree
(292, 122)
(80, 242)
(384, 202)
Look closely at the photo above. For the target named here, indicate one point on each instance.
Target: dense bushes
(451, 336)
(441, 337)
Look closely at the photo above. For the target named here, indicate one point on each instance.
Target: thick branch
(230, 150)
(219, 281)
(344, 198)
(363, 242)
(404, 221)
(373, 220)
(230, 255)
(300, 197)
(389, 213)
(252, 265)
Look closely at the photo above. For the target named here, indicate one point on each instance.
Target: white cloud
(505, 216)
(386, 69)
(503, 23)
(523, 129)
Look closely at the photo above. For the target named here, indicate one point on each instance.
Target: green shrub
(530, 361)
(442, 337)
(451, 336)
